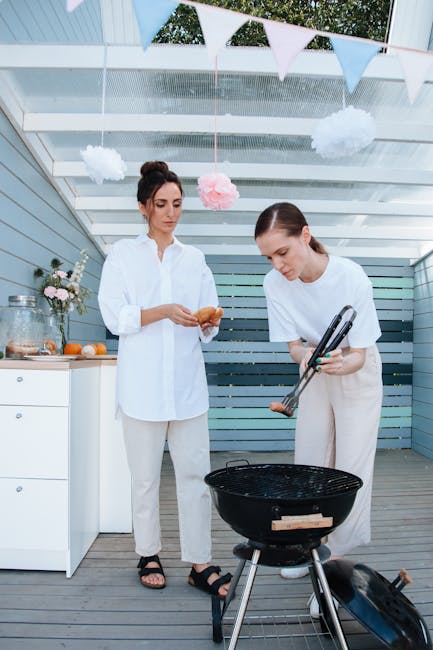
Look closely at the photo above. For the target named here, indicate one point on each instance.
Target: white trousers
(188, 442)
(337, 426)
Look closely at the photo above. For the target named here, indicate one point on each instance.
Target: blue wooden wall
(422, 423)
(35, 226)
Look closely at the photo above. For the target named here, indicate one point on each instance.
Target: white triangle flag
(218, 26)
(286, 41)
(71, 5)
(415, 67)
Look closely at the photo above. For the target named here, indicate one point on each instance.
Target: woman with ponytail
(150, 289)
(339, 411)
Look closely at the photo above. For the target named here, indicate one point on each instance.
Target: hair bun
(153, 166)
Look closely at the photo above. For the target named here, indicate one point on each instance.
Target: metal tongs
(290, 401)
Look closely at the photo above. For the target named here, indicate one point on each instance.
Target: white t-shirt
(304, 310)
(160, 367)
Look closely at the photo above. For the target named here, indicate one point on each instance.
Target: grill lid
(378, 605)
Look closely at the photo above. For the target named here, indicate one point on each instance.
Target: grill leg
(233, 585)
(328, 598)
(245, 598)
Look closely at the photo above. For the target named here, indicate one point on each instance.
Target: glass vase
(58, 329)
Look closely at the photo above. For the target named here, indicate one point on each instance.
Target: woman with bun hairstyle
(150, 288)
(339, 410)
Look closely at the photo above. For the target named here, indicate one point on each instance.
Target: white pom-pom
(343, 133)
(103, 164)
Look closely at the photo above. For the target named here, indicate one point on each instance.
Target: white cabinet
(49, 465)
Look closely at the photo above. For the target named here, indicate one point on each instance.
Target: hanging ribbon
(216, 190)
(102, 163)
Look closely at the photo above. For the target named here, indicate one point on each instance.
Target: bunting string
(285, 40)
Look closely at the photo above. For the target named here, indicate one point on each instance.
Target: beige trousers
(188, 442)
(337, 426)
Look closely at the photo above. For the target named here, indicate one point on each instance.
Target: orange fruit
(101, 348)
(89, 350)
(72, 348)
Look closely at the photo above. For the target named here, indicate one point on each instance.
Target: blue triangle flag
(354, 56)
(151, 16)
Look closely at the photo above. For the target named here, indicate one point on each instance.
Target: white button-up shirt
(160, 367)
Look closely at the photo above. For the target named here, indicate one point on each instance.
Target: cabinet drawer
(33, 514)
(34, 387)
(34, 441)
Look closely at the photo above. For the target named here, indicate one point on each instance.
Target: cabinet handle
(19, 488)
(19, 415)
(19, 378)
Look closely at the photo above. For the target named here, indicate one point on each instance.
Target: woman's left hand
(337, 363)
(331, 363)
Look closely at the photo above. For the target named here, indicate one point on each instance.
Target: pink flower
(60, 274)
(50, 291)
(62, 294)
(217, 191)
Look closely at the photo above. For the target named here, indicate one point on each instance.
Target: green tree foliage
(364, 18)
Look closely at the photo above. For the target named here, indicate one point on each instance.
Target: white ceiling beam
(205, 124)
(256, 204)
(253, 171)
(256, 60)
(406, 252)
(343, 231)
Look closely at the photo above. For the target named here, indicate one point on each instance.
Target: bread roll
(206, 314)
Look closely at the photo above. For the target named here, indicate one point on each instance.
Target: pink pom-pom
(216, 191)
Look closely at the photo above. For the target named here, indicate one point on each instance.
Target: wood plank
(103, 605)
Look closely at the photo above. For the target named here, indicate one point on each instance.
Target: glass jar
(23, 327)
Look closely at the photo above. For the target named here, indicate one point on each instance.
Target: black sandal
(144, 570)
(200, 580)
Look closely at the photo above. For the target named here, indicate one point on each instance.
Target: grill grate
(275, 481)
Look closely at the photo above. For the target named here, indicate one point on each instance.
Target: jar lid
(22, 301)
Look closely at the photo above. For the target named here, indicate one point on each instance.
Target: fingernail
(327, 355)
(319, 360)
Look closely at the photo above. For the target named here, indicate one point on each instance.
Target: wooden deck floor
(104, 607)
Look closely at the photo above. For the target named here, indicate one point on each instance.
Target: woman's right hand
(180, 315)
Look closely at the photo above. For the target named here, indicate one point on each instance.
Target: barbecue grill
(284, 511)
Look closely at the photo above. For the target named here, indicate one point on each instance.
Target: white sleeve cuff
(208, 334)
(129, 319)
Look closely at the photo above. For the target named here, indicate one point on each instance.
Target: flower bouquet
(63, 291)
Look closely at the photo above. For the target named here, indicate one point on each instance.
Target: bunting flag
(415, 67)
(354, 56)
(286, 42)
(71, 5)
(218, 26)
(151, 16)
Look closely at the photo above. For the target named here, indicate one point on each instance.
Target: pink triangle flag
(71, 5)
(286, 42)
(415, 67)
(218, 26)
